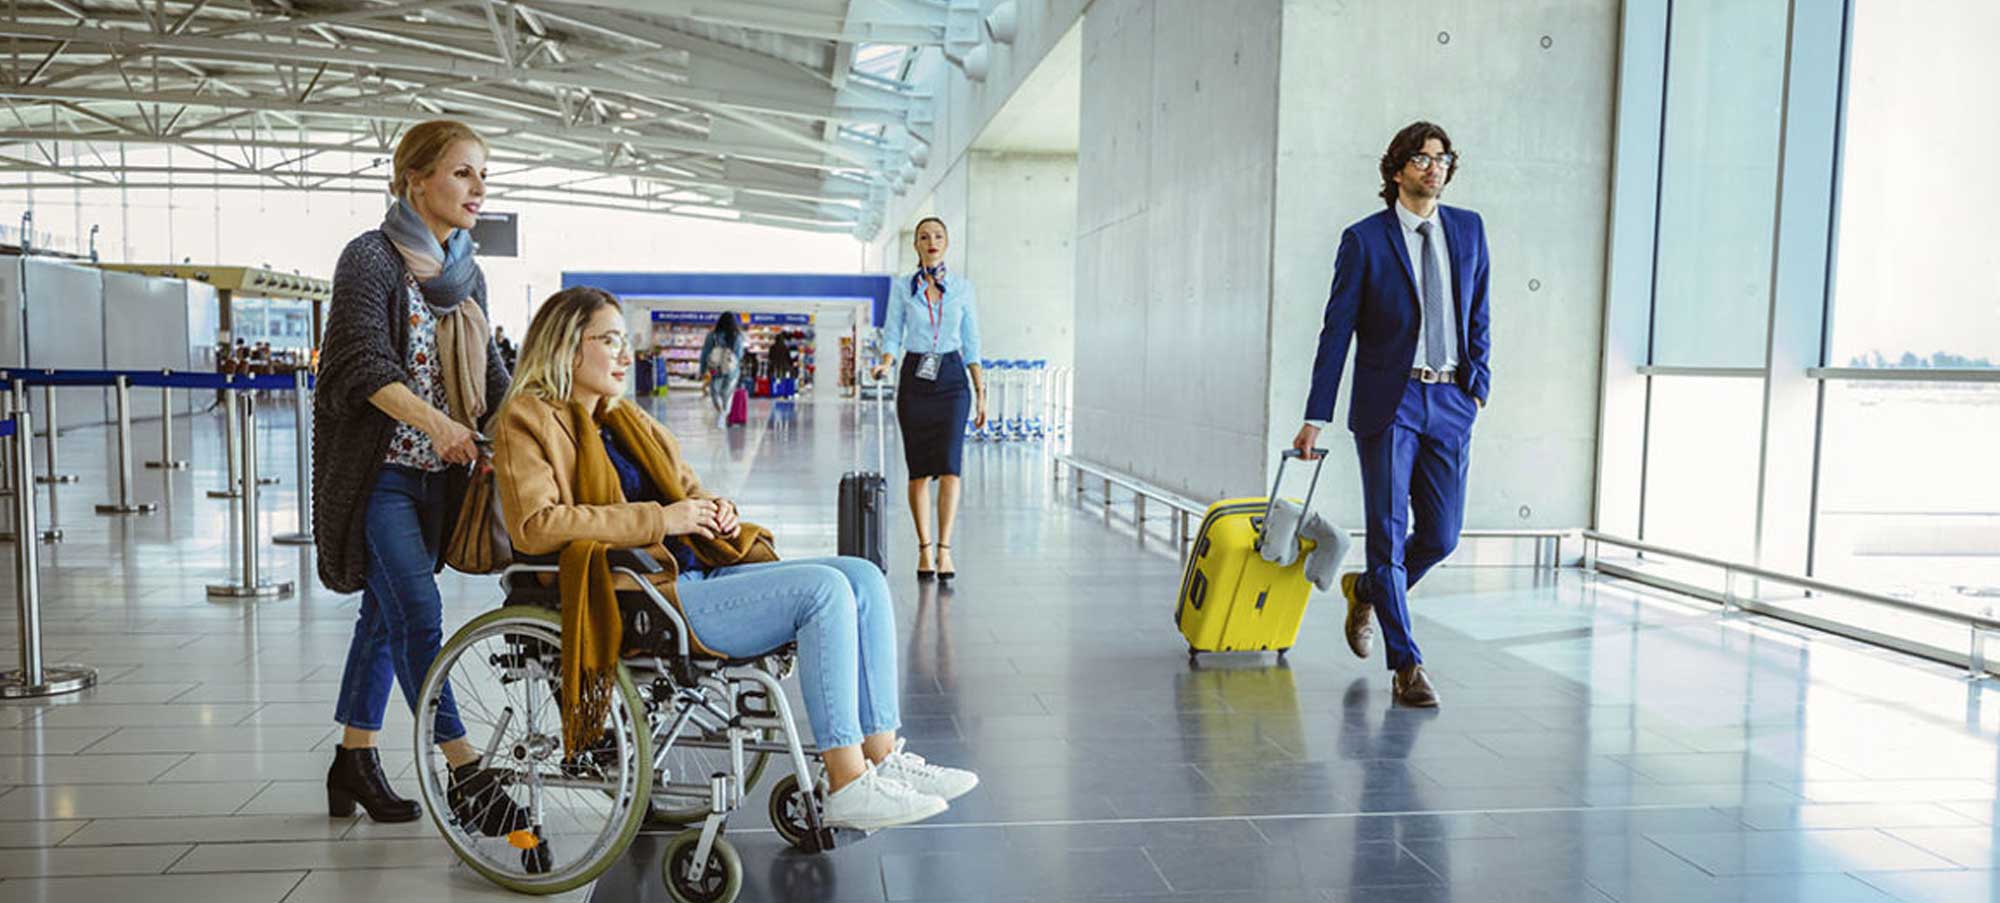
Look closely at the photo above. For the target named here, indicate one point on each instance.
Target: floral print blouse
(409, 446)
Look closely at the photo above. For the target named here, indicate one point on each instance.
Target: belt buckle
(1427, 376)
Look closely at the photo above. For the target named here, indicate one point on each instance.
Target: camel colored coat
(534, 460)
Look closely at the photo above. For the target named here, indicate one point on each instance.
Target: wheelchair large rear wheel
(504, 672)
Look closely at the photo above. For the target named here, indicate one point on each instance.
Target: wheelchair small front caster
(535, 856)
(788, 815)
(721, 879)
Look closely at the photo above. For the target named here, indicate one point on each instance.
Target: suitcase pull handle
(1271, 504)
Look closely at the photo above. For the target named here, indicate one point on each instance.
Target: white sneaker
(923, 777)
(875, 801)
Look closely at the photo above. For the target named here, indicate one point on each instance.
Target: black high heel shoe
(945, 576)
(924, 575)
(480, 800)
(356, 777)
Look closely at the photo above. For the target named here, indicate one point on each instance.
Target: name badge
(928, 367)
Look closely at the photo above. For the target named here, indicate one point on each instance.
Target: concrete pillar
(1175, 175)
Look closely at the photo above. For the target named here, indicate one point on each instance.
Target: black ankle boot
(356, 777)
(480, 800)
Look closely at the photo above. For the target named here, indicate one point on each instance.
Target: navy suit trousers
(1413, 488)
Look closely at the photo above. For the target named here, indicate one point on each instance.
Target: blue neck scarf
(445, 273)
(935, 274)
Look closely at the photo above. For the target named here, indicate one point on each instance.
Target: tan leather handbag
(479, 542)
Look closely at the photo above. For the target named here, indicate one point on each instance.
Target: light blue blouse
(910, 318)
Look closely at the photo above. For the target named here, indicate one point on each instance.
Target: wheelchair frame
(676, 691)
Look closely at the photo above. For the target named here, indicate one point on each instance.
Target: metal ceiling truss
(712, 108)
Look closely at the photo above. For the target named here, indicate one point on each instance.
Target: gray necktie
(1434, 322)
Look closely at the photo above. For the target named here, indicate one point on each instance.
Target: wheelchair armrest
(633, 559)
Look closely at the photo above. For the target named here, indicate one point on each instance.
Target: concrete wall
(1173, 257)
(1020, 231)
(1533, 124)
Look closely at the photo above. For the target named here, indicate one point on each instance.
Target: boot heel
(339, 803)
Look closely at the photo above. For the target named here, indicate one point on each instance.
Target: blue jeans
(839, 611)
(402, 615)
(720, 387)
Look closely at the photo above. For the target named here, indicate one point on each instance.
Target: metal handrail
(1909, 374)
(1186, 510)
(1976, 623)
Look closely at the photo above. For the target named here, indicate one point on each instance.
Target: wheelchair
(686, 738)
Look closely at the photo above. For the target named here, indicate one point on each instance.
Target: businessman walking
(1410, 291)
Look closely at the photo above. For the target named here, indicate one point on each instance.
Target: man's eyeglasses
(614, 342)
(1423, 162)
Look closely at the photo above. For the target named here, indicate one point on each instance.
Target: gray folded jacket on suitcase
(1289, 524)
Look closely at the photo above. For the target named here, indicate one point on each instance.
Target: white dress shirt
(1414, 240)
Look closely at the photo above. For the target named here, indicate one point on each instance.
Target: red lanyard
(936, 312)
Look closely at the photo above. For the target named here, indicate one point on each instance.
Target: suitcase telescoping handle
(1271, 504)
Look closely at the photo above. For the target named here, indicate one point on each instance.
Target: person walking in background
(722, 363)
(1410, 292)
(505, 345)
(781, 356)
(411, 373)
(933, 324)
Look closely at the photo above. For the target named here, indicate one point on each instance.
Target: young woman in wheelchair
(581, 470)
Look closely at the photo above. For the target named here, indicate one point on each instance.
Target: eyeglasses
(1423, 161)
(614, 342)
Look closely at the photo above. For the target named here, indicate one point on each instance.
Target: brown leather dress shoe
(1412, 687)
(1360, 627)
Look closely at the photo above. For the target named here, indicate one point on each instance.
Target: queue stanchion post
(22, 444)
(7, 442)
(261, 480)
(122, 399)
(167, 460)
(302, 430)
(35, 677)
(231, 404)
(55, 474)
(250, 585)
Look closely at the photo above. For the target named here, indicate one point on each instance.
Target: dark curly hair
(1408, 143)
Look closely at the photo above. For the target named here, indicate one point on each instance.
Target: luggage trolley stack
(1020, 397)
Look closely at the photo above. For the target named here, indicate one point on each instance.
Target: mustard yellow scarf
(593, 633)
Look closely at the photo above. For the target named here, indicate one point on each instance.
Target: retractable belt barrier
(240, 444)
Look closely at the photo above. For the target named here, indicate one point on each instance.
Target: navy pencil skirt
(932, 414)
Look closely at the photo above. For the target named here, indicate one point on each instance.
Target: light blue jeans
(839, 611)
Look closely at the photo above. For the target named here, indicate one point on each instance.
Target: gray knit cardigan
(366, 344)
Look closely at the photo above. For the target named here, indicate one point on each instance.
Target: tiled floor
(1598, 742)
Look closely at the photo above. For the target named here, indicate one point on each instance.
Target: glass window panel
(1701, 464)
(1914, 282)
(1908, 505)
(1718, 181)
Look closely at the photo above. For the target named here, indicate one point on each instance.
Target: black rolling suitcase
(864, 503)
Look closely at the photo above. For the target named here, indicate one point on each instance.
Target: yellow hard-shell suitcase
(1231, 599)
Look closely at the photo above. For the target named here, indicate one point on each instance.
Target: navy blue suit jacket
(1374, 304)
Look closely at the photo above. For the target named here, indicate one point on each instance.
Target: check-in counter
(61, 304)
